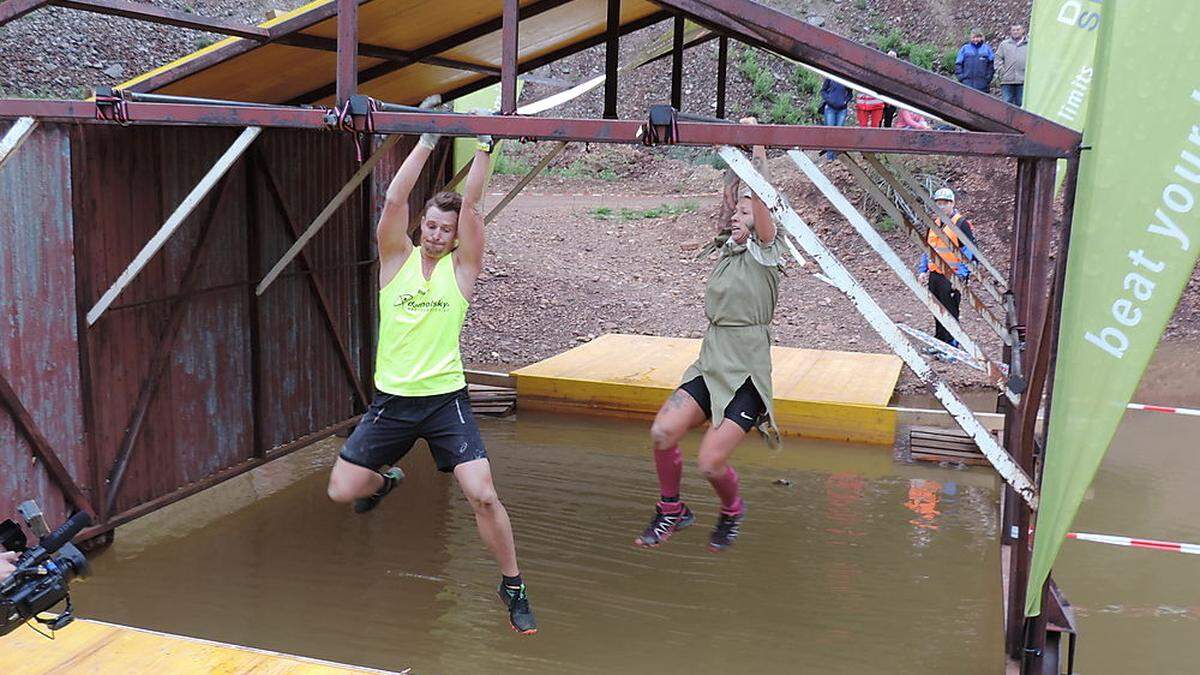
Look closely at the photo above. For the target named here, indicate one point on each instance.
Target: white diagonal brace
(942, 348)
(327, 212)
(877, 243)
(185, 208)
(920, 208)
(931, 206)
(920, 239)
(14, 137)
(884, 326)
(525, 180)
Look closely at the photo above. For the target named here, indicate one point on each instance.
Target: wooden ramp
(97, 647)
(839, 396)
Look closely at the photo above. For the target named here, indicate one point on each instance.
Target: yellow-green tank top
(419, 326)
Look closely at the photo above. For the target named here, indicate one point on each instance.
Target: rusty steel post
(347, 50)
(612, 54)
(509, 57)
(722, 73)
(677, 64)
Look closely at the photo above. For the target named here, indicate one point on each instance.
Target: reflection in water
(826, 577)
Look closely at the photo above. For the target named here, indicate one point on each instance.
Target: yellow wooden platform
(818, 394)
(97, 647)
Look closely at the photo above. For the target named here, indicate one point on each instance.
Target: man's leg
(383, 436)
(1019, 95)
(1007, 93)
(941, 289)
(348, 482)
(475, 480)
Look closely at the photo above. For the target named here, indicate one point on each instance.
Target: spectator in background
(835, 100)
(907, 119)
(868, 109)
(1010, 65)
(976, 63)
(889, 110)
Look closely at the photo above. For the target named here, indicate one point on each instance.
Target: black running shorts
(393, 423)
(743, 410)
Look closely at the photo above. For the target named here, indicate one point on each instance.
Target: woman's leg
(715, 449)
(679, 414)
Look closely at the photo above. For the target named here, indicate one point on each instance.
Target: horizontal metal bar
(162, 15)
(15, 9)
(901, 141)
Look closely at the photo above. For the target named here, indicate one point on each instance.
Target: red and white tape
(1154, 544)
(1164, 409)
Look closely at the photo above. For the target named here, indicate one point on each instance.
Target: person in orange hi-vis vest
(952, 257)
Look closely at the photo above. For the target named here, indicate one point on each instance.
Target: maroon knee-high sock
(669, 463)
(726, 486)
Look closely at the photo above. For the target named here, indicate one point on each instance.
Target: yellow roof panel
(277, 73)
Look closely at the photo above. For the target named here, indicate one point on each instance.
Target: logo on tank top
(418, 302)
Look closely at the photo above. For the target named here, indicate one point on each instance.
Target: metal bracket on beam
(883, 325)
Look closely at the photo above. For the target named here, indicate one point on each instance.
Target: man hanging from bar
(951, 259)
(730, 384)
(425, 289)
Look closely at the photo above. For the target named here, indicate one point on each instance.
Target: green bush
(949, 56)
(922, 54)
(783, 111)
(892, 42)
(748, 65)
(806, 81)
(763, 83)
(505, 165)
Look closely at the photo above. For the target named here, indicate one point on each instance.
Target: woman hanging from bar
(730, 384)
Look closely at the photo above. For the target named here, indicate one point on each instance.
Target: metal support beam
(509, 56)
(877, 243)
(612, 55)
(189, 204)
(326, 213)
(15, 9)
(347, 50)
(160, 15)
(722, 73)
(42, 448)
(314, 284)
(161, 357)
(677, 64)
(17, 134)
(884, 326)
(525, 180)
(918, 235)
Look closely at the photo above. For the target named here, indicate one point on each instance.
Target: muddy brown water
(859, 564)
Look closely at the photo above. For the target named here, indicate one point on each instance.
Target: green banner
(1062, 45)
(1134, 243)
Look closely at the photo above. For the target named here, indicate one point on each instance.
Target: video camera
(41, 578)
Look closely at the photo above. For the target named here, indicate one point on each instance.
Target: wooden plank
(14, 137)
(487, 377)
(177, 218)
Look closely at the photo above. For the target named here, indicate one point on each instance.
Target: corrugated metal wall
(242, 374)
(38, 353)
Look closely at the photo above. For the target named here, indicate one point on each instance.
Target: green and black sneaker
(520, 616)
(391, 478)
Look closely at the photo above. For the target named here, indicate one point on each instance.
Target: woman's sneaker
(725, 532)
(391, 478)
(520, 616)
(663, 525)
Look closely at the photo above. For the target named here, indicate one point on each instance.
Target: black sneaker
(520, 616)
(391, 478)
(725, 532)
(663, 525)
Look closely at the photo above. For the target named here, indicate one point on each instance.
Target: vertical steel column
(508, 57)
(253, 272)
(347, 49)
(722, 72)
(612, 53)
(677, 65)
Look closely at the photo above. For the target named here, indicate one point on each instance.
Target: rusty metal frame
(41, 447)
(314, 284)
(161, 357)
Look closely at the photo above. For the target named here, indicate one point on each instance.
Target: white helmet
(943, 194)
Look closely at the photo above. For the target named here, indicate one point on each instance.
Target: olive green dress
(739, 302)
